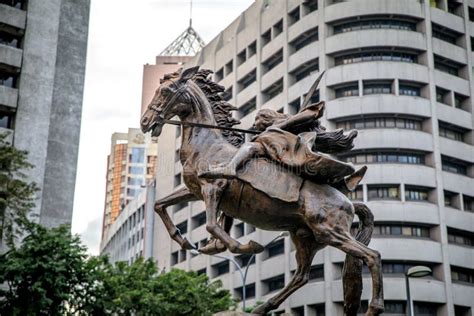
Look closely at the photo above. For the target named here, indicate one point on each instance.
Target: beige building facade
(401, 72)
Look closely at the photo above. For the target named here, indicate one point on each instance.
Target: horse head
(171, 98)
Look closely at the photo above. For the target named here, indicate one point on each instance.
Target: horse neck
(195, 139)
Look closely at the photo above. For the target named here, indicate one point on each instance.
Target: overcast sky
(123, 36)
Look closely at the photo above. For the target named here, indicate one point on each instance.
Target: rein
(179, 123)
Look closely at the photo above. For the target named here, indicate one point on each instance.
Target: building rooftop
(189, 43)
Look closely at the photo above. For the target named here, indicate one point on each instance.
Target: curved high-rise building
(399, 71)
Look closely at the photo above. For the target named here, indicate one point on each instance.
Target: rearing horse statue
(317, 216)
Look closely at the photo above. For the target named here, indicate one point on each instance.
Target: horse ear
(188, 73)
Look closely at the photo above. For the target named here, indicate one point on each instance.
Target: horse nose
(144, 120)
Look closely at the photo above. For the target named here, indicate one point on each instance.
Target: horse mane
(220, 107)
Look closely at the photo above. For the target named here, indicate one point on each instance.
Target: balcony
(13, 17)
(8, 96)
(461, 256)
(375, 38)
(412, 174)
(378, 104)
(450, 114)
(10, 56)
(394, 138)
(409, 212)
(370, 7)
(458, 183)
(441, 17)
(449, 51)
(458, 219)
(456, 149)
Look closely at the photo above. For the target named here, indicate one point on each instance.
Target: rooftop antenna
(190, 13)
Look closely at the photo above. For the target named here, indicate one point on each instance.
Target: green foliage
(42, 273)
(50, 274)
(16, 195)
(249, 309)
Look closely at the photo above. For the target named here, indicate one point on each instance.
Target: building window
(199, 220)
(401, 230)
(6, 119)
(471, 14)
(248, 79)
(220, 268)
(316, 273)
(468, 202)
(178, 131)
(137, 155)
(252, 49)
(349, 90)
(174, 258)
(275, 249)
(375, 54)
(460, 237)
(450, 199)
(357, 194)
(219, 75)
(455, 8)
(460, 101)
(451, 132)
(384, 157)
(132, 192)
(9, 39)
(442, 95)
(445, 34)
(135, 181)
(247, 108)
(229, 68)
(377, 87)
(182, 227)
(227, 94)
(378, 22)
(244, 260)
(305, 39)
(273, 90)
(177, 179)
(239, 230)
(409, 89)
(249, 291)
(241, 57)
(274, 284)
(448, 66)
(380, 122)
(462, 275)
(278, 28)
(266, 37)
(305, 70)
(295, 106)
(454, 165)
(383, 192)
(18, 4)
(136, 170)
(294, 16)
(310, 6)
(273, 61)
(416, 194)
(8, 79)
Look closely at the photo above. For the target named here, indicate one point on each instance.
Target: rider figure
(297, 142)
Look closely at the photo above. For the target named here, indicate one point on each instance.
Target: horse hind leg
(336, 235)
(306, 248)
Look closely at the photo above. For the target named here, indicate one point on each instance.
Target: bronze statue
(284, 182)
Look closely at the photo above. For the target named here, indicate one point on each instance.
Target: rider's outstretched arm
(308, 115)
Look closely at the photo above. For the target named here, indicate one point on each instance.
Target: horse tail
(352, 270)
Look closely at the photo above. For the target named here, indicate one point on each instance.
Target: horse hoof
(375, 309)
(212, 248)
(256, 247)
(187, 245)
(261, 309)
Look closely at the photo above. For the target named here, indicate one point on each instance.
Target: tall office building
(43, 48)
(401, 72)
(130, 167)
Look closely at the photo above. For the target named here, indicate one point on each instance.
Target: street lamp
(243, 273)
(414, 272)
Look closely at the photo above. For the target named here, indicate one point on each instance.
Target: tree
(51, 274)
(43, 273)
(138, 289)
(16, 195)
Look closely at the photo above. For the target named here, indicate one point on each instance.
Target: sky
(123, 36)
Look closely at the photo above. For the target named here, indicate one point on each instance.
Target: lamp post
(243, 273)
(414, 272)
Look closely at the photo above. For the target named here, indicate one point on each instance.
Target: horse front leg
(182, 195)
(212, 192)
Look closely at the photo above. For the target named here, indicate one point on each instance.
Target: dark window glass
(244, 260)
(416, 194)
(199, 220)
(274, 90)
(273, 61)
(448, 66)
(249, 291)
(316, 273)
(377, 88)
(294, 16)
(247, 108)
(6, 119)
(305, 39)
(454, 165)
(409, 90)
(460, 237)
(18, 4)
(450, 132)
(462, 275)
(8, 79)
(183, 227)
(375, 55)
(305, 69)
(275, 249)
(248, 79)
(275, 283)
(221, 268)
(347, 91)
(383, 192)
(375, 23)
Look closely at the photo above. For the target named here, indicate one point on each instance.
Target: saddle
(272, 179)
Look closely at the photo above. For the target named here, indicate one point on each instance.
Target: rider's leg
(247, 151)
